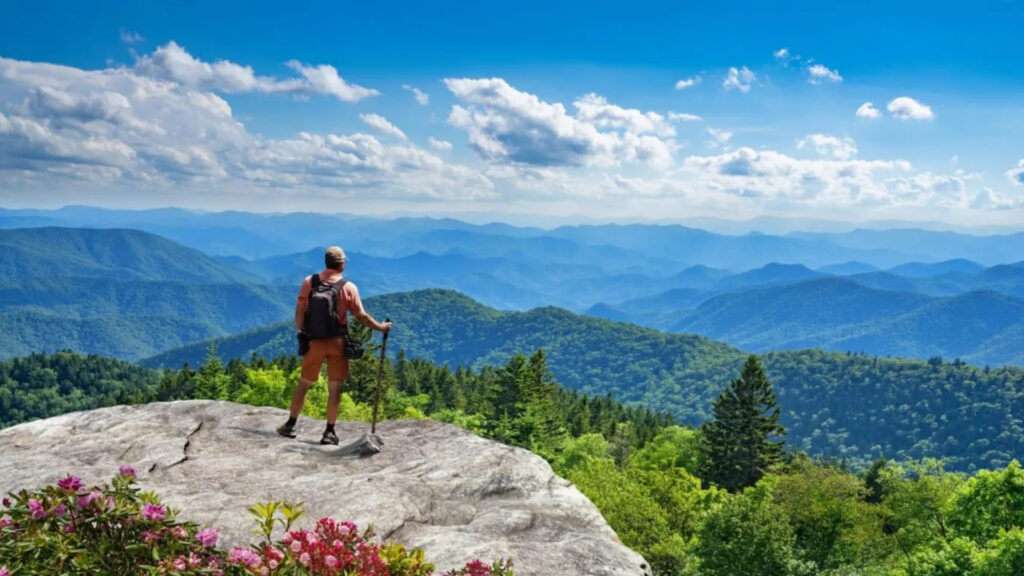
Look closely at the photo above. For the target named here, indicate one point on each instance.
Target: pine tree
(739, 445)
(208, 385)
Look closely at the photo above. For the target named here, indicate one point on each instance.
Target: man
(326, 344)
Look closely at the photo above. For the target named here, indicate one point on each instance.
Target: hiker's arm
(355, 308)
(300, 304)
(366, 320)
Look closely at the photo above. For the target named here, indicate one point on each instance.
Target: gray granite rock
(433, 485)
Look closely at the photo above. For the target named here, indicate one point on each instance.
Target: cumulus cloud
(739, 79)
(829, 146)
(868, 110)
(172, 62)
(422, 97)
(988, 199)
(439, 144)
(782, 56)
(120, 125)
(381, 123)
(718, 137)
(818, 74)
(687, 83)
(683, 117)
(906, 108)
(508, 125)
(597, 111)
(750, 173)
(1016, 174)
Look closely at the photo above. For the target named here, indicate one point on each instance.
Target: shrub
(116, 529)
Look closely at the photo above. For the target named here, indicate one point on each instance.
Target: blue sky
(569, 111)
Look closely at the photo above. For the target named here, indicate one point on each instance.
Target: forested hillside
(856, 407)
(648, 477)
(110, 253)
(843, 314)
(121, 293)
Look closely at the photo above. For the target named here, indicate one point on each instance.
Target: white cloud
(782, 56)
(172, 62)
(1016, 175)
(507, 125)
(906, 108)
(868, 110)
(818, 74)
(829, 146)
(739, 79)
(381, 124)
(687, 83)
(117, 125)
(718, 137)
(597, 111)
(927, 189)
(131, 37)
(439, 144)
(768, 174)
(683, 117)
(422, 97)
(988, 199)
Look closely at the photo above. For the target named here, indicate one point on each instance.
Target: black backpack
(322, 310)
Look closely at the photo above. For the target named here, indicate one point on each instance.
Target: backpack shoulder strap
(338, 286)
(314, 281)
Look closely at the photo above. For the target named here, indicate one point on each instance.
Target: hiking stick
(380, 378)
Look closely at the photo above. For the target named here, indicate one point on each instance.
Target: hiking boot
(287, 430)
(329, 438)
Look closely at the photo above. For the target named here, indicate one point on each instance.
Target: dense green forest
(796, 517)
(121, 293)
(851, 407)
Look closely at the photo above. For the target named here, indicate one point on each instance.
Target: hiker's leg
(333, 401)
(299, 398)
(312, 361)
(337, 374)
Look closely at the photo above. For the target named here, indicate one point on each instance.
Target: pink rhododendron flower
(60, 511)
(179, 533)
(304, 558)
(331, 561)
(4, 571)
(126, 471)
(245, 557)
(5, 521)
(207, 537)
(296, 546)
(179, 563)
(70, 484)
(154, 512)
(36, 508)
(85, 501)
(150, 536)
(7, 502)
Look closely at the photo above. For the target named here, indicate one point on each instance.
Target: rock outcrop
(434, 486)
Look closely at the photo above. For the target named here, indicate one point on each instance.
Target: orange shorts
(329, 349)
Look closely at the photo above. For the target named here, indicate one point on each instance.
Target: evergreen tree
(739, 445)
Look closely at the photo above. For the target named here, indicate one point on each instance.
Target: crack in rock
(188, 445)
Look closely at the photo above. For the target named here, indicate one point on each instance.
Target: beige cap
(334, 256)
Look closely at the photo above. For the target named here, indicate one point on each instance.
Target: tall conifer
(741, 443)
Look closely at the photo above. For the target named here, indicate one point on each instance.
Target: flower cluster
(69, 528)
(67, 525)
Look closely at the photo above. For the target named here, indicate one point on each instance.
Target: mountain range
(134, 294)
(848, 406)
(122, 293)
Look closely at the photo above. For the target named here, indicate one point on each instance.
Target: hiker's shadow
(352, 451)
